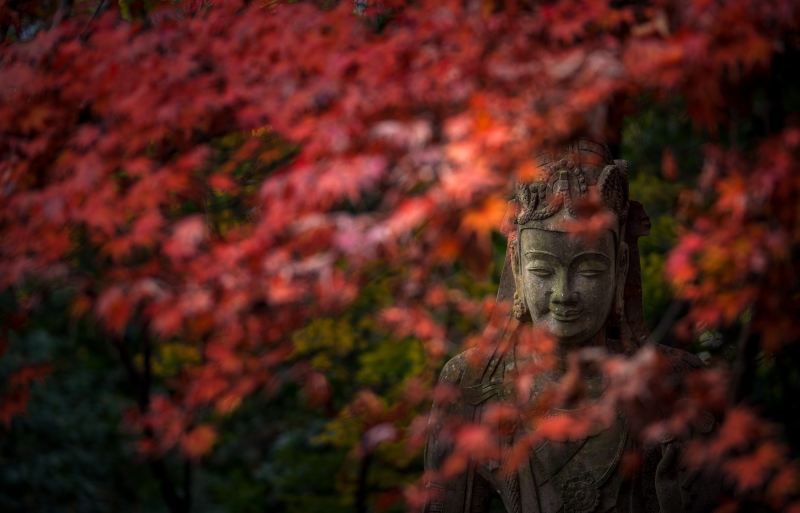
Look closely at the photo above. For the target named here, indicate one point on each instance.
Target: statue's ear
(513, 249)
(519, 309)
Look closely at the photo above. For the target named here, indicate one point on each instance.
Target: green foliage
(357, 353)
(391, 363)
(647, 135)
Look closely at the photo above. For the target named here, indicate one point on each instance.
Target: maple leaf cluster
(406, 125)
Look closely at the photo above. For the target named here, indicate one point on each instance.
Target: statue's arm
(468, 492)
(679, 488)
(438, 445)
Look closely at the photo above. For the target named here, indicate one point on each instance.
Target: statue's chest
(566, 477)
(580, 476)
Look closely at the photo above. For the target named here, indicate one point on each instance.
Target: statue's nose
(564, 299)
(562, 293)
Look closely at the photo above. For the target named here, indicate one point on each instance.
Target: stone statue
(585, 291)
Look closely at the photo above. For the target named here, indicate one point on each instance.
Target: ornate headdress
(582, 173)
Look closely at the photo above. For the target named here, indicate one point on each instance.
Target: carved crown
(580, 174)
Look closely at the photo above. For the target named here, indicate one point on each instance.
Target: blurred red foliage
(109, 126)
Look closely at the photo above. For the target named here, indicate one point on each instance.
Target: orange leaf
(198, 441)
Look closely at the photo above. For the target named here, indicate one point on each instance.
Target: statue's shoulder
(455, 368)
(683, 362)
(464, 369)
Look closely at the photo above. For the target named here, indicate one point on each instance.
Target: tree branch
(361, 484)
(142, 385)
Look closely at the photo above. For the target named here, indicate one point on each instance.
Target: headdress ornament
(581, 173)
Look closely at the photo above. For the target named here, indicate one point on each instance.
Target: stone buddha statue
(584, 291)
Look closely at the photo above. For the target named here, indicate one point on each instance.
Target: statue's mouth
(566, 315)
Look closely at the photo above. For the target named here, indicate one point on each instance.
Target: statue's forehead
(565, 245)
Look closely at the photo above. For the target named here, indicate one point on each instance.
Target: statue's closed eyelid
(591, 261)
(539, 266)
(597, 267)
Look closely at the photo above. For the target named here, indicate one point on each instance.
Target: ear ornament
(519, 309)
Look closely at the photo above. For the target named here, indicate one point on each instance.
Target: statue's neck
(566, 347)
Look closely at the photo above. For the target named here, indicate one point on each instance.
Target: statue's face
(567, 282)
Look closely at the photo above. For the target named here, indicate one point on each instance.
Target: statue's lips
(566, 315)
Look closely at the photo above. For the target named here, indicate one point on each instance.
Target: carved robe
(570, 477)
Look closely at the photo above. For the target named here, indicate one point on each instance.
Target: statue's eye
(590, 273)
(542, 272)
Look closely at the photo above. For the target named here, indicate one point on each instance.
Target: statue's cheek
(537, 296)
(597, 287)
(597, 295)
